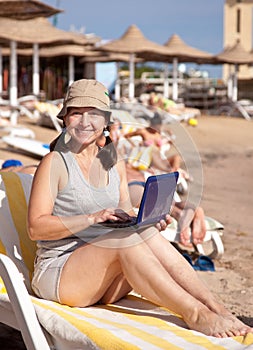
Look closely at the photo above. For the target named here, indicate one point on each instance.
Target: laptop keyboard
(116, 224)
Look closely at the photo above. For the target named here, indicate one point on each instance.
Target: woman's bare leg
(146, 275)
(181, 271)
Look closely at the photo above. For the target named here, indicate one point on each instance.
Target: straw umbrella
(32, 32)
(96, 56)
(177, 51)
(182, 52)
(65, 50)
(132, 42)
(235, 55)
(20, 9)
(26, 9)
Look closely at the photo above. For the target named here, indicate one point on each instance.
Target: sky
(198, 22)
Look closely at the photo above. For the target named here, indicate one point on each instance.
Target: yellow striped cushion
(132, 323)
(14, 241)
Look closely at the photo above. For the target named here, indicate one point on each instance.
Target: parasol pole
(131, 77)
(71, 69)
(175, 83)
(13, 82)
(235, 84)
(1, 72)
(117, 84)
(166, 81)
(36, 77)
(230, 83)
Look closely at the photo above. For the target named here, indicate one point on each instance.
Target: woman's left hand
(162, 224)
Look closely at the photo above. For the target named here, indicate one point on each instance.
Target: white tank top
(79, 197)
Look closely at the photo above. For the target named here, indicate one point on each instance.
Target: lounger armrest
(20, 299)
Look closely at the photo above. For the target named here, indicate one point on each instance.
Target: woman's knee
(117, 290)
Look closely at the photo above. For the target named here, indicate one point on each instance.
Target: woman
(79, 261)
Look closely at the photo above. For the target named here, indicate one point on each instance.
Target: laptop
(155, 204)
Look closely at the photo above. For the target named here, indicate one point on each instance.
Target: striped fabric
(14, 241)
(133, 323)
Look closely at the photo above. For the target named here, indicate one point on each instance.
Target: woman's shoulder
(52, 160)
(52, 164)
(53, 155)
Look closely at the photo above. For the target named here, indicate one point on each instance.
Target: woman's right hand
(111, 214)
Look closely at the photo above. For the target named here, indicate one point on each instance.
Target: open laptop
(155, 204)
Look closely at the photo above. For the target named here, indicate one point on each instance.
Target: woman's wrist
(90, 219)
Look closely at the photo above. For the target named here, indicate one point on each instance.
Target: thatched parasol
(36, 31)
(54, 51)
(132, 42)
(186, 53)
(96, 56)
(181, 52)
(28, 33)
(26, 9)
(235, 55)
(177, 51)
(21, 10)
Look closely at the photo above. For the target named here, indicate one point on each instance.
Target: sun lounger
(28, 145)
(132, 323)
(143, 113)
(212, 245)
(48, 115)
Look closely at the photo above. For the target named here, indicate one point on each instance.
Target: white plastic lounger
(131, 324)
(31, 146)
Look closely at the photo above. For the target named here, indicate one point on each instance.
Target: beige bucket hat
(86, 93)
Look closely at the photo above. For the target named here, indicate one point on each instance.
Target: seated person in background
(158, 102)
(188, 217)
(151, 136)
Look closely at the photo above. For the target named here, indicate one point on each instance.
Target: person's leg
(159, 163)
(191, 223)
(98, 268)
(180, 270)
(183, 274)
(198, 226)
(175, 162)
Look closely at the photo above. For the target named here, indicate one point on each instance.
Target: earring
(106, 133)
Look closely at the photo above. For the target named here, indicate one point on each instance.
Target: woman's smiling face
(85, 124)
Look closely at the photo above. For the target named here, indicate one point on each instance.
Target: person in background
(190, 218)
(151, 136)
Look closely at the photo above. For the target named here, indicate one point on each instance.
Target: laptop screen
(157, 198)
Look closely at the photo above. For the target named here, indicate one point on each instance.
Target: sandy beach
(225, 148)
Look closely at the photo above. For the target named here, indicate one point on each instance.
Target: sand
(225, 147)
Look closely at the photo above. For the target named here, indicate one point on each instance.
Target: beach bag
(140, 157)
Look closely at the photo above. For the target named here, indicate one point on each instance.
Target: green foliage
(139, 69)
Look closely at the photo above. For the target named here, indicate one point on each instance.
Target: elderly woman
(79, 261)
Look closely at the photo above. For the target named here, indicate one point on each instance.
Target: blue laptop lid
(157, 197)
